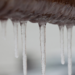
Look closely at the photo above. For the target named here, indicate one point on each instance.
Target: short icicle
(61, 28)
(3, 24)
(69, 47)
(42, 27)
(23, 26)
(15, 26)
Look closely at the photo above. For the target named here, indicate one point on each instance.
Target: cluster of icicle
(69, 47)
(42, 30)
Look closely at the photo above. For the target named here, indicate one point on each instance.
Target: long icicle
(69, 47)
(3, 24)
(23, 26)
(40, 35)
(15, 26)
(43, 45)
(61, 28)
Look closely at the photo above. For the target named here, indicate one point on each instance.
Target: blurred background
(9, 65)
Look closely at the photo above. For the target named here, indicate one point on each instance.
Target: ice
(23, 26)
(43, 45)
(40, 35)
(61, 28)
(15, 26)
(69, 47)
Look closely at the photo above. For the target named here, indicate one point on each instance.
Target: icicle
(43, 45)
(21, 30)
(69, 47)
(61, 28)
(40, 35)
(23, 26)
(3, 24)
(15, 25)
